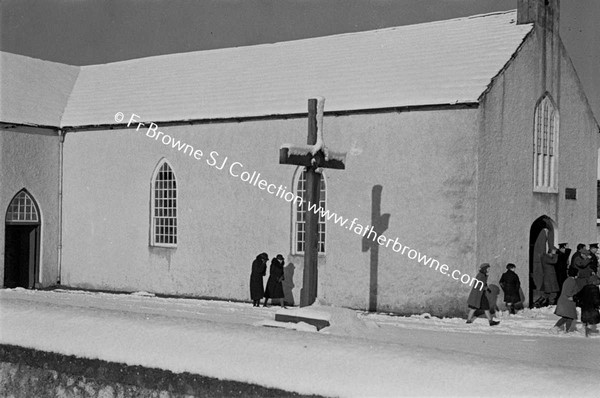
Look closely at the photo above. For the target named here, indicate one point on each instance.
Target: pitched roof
(32, 91)
(436, 63)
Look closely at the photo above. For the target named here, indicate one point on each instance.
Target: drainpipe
(61, 140)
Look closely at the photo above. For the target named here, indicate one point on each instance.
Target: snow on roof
(32, 91)
(444, 62)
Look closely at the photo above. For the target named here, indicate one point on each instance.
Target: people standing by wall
(550, 286)
(477, 298)
(562, 263)
(510, 284)
(259, 270)
(274, 288)
(594, 257)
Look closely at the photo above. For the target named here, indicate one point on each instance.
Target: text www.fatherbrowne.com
(235, 170)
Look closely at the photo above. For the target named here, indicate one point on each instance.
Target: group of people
(580, 289)
(274, 288)
(568, 284)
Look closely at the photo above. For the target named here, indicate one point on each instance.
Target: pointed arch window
(22, 209)
(299, 221)
(163, 212)
(545, 146)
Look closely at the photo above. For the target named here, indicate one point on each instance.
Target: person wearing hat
(259, 270)
(550, 286)
(274, 288)
(594, 258)
(477, 298)
(562, 263)
(510, 284)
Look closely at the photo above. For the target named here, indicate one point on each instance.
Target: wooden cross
(313, 157)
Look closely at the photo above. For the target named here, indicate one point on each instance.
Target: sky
(82, 32)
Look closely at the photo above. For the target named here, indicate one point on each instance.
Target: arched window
(299, 226)
(22, 209)
(163, 209)
(545, 146)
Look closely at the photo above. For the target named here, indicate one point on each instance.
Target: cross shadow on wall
(380, 223)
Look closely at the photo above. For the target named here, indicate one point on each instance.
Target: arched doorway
(22, 242)
(541, 236)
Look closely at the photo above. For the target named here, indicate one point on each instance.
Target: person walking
(510, 284)
(562, 263)
(259, 270)
(550, 286)
(274, 288)
(477, 299)
(565, 307)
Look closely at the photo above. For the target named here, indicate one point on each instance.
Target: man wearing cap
(594, 259)
(562, 263)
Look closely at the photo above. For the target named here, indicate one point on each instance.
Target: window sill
(545, 190)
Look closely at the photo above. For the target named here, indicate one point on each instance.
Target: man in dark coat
(562, 263)
(477, 298)
(594, 259)
(510, 283)
(550, 286)
(577, 254)
(259, 269)
(274, 288)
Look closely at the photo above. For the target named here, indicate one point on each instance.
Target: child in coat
(510, 284)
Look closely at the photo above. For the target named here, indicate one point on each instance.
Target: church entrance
(21, 242)
(541, 237)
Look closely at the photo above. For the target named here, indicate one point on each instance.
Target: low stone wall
(30, 373)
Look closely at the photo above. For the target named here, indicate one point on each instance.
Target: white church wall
(29, 159)
(507, 204)
(424, 160)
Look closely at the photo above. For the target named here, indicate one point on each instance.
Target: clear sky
(82, 32)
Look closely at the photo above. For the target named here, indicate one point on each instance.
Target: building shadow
(379, 223)
(288, 284)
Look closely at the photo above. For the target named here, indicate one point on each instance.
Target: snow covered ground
(359, 355)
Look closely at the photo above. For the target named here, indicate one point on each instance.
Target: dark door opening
(541, 236)
(22, 243)
(20, 255)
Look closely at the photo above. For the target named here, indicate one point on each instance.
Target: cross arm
(302, 156)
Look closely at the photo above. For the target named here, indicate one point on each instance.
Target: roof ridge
(313, 38)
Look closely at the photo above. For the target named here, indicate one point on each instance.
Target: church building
(467, 140)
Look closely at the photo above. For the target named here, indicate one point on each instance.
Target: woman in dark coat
(565, 308)
(259, 269)
(510, 283)
(477, 299)
(274, 288)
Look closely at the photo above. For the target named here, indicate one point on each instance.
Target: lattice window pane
(164, 212)
(545, 145)
(300, 220)
(22, 209)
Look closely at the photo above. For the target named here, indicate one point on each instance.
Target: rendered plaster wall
(507, 205)
(30, 160)
(424, 162)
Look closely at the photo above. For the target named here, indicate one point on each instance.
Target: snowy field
(359, 355)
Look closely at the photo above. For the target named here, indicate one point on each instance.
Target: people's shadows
(288, 284)
(379, 223)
